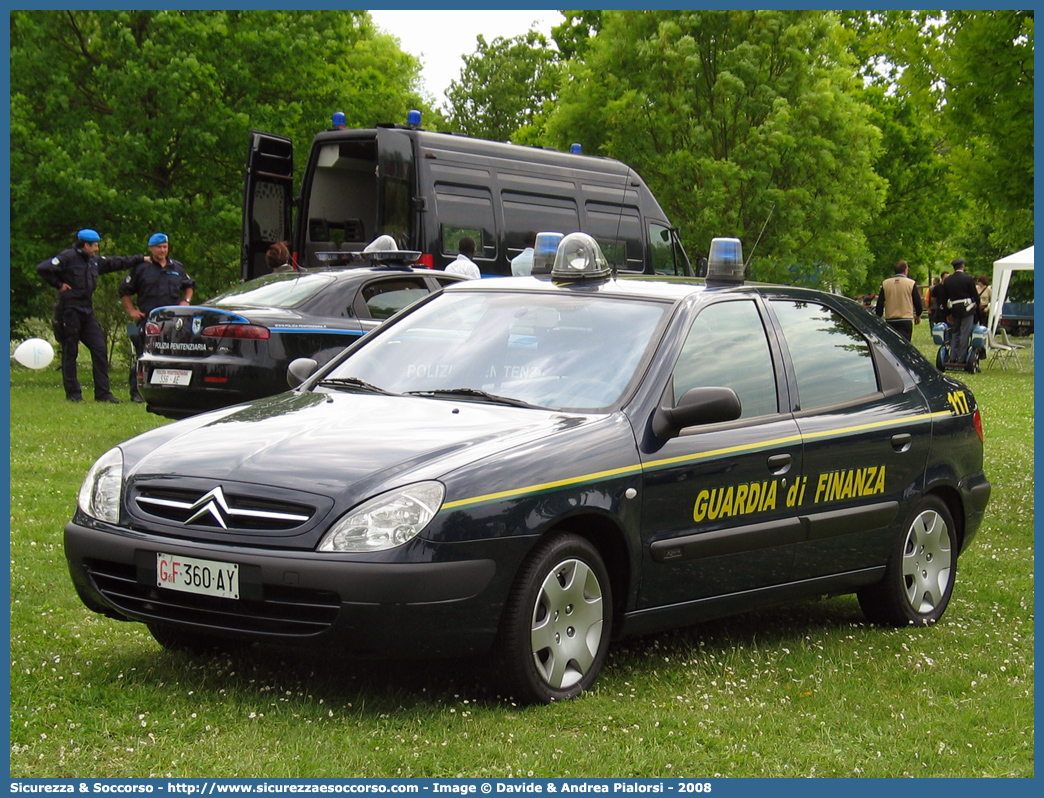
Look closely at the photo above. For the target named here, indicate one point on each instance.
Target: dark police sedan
(532, 467)
(237, 346)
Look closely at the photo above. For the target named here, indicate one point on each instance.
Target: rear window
(832, 360)
(273, 291)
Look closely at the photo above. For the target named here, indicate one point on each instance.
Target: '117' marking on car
(959, 402)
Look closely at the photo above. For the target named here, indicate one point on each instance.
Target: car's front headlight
(385, 521)
(101, 490)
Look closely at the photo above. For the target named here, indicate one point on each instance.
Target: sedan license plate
(193, 575)
(170, 377)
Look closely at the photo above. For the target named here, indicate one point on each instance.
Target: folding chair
(1017, 347)
(1003, 351)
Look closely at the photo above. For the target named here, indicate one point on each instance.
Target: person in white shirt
(522, 263)
(464, 265)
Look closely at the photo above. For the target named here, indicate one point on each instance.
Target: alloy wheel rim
(927, 559)
(567, 623)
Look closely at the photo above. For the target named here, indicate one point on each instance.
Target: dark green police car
(535, 466)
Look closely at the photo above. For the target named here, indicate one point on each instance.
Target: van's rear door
(267, 199)
(398, 215)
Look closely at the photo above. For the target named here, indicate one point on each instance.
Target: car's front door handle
(779, 464)
(902, 442)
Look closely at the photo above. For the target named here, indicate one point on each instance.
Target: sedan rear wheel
(921, 572)
(557, 622)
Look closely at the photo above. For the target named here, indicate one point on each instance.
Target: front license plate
(170, 377)
(192, 575)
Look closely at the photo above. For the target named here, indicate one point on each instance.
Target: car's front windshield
(273, 291)
(543, 349)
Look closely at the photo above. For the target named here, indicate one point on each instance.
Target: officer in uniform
(75, 273)
(163, 281)
(962, 301)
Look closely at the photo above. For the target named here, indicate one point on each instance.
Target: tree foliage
(987, 74)
(137, 121)
(968, 77)
(736, 118)
(503, 87)
(918, 210)
(576, 31)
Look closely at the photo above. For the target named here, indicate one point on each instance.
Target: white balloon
(34, 353)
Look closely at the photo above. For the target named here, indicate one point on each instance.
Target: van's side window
(451, 239)
(537, 212)
(662, 251)
(618, 231)
(466, 211)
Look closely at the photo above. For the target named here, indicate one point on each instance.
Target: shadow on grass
(376, 686)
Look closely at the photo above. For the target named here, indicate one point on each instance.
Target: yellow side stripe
(507, 494)
(599, 476)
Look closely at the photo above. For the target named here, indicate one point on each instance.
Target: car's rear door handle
(779, 463)
(902, 441)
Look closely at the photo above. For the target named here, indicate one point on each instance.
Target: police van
(428, 190)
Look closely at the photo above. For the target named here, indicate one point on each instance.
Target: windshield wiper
(352, 383)
(470, 393)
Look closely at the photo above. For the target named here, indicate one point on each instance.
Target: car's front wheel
(557, 622)
(919, 578)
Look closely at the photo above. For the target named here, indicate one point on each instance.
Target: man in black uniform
(962, 299)
(159, 283)
(75, 273)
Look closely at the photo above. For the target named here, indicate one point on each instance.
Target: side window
(618, 231)
(539, 213)
(387, 297)
(662, 247)
(727, 347)
(451, 238)
(832, 361)
(466, 211)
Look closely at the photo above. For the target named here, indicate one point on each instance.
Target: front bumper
(445, 605)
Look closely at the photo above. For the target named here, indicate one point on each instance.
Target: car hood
(343, 445)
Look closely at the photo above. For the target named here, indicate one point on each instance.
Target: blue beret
(88, 235)
(156, 239)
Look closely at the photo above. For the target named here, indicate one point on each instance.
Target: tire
(940, 359)
(557, 622)
(972, 366)
(174, 638)
(921, 571)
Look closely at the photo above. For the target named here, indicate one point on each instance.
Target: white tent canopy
(1002, 270)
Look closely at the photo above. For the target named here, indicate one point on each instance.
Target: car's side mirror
(697, 406)
(300, 370)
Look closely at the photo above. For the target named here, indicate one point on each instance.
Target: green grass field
(807, 689)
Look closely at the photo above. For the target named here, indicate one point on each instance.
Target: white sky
(441, 38)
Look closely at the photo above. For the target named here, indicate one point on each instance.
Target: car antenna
(751, 254)
(619, 217)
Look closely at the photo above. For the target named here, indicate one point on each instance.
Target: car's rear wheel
(557, 622)
(174, 638)
(919, 578)
(940, 359)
